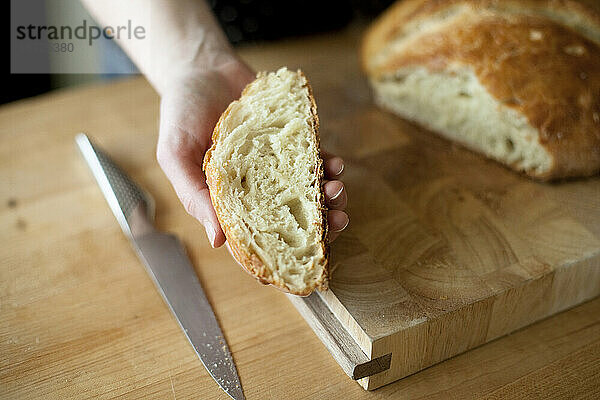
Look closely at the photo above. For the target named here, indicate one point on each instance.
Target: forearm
(180, 36)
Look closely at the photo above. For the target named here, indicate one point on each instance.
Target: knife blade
(167, 264)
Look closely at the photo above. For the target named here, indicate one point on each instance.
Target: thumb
(200, 207)
(189, 182)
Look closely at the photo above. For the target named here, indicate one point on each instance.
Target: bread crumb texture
(265, 174)
(460, 107)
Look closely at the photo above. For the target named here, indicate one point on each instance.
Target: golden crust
(247, 259)
(539, 57)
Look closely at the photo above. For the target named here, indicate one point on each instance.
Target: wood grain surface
(80, 318)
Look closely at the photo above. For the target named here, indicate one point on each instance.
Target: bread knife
(167, 264)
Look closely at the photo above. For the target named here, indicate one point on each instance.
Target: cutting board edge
(552, 286)
(340, 344)
(354, 329)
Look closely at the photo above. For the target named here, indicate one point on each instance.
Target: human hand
(335, 194)
(190, 108)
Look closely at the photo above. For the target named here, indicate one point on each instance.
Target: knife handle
(123, 195)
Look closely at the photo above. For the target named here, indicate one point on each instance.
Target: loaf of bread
(517, 80)
(265, 175)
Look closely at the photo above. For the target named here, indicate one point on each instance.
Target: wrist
(226, 71)
(192, 48)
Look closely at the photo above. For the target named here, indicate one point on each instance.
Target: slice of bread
(265, 175)
(516, 80)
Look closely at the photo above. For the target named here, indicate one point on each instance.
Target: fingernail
(210, 232)
(345, 225)
(335, 196)
(341, 168)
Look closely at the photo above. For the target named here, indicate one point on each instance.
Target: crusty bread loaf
(516, 80)
(265, 175)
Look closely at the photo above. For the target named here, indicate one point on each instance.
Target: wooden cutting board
(446, 250)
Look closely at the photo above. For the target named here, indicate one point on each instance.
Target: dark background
(244, 21)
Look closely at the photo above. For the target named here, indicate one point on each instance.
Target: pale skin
(190, 63)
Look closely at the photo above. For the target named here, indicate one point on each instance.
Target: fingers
(337, 221)
(335, 195)
(332, 165)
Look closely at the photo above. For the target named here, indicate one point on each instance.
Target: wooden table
(80, 318)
